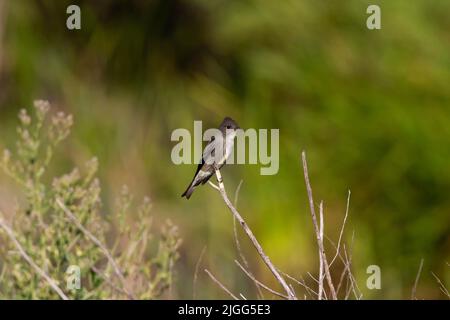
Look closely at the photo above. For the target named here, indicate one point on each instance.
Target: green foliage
(54, 242)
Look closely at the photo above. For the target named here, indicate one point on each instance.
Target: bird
(209, 162)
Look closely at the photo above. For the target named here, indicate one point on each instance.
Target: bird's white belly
(218, 152)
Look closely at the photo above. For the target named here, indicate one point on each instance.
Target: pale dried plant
(61, 223)
(327, 285)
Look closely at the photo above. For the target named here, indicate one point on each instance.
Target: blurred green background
(371, 109)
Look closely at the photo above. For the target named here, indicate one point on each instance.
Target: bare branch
(414, 289)
(442, 286)
(236, 193)
(312, 277)
(236, 239)
(194, 282)
(341, 279)
(213, 185)
(342, 229)
(238, 244)
(27, 258)
(321, 276)
(316, 228)
(354, 285)
(221, 285)
(347, 268)
(260, 283)
(301, 283)
(94, 239)
(251, 236)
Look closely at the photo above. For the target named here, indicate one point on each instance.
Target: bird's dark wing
(204, 170)
(199, 167)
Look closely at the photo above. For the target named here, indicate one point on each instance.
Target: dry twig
(197, 265)
(51, 282)
(322, 254)
(252, 237)
(303, 284)
(238, 244)
(94, 239)
(321, 266)
(414, 289)
(259, 283)
(221, 285)
(342, 229)
(442, 286)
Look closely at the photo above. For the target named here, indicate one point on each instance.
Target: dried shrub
(60, 224)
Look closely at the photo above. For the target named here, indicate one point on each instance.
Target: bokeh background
(371, 109)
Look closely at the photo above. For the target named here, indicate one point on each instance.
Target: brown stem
(317, 229)
(252, 237)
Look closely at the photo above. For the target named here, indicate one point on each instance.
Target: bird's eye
(228, 127)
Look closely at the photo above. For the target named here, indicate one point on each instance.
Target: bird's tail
(188, 191)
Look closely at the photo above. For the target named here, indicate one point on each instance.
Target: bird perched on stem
(214, 155)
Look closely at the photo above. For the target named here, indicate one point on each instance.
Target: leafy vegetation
(54, 242)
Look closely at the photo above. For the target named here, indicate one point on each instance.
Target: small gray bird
(209, 161)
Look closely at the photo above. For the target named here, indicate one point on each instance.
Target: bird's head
(228, 124)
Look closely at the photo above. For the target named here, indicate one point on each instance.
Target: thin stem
(238, 244)
(259, 283)
(342, 228)
(94, 239)
(252, 237)
(221, 285)
(51, 282)
(321, 275)
(414, 289)
(197, 265)
(442, 286)
(316, 228)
